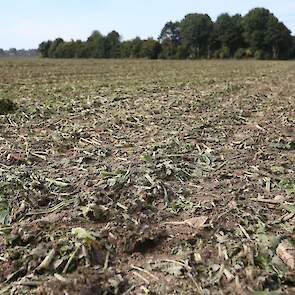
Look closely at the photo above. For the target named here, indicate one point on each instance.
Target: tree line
(13, 52)
(258, 34)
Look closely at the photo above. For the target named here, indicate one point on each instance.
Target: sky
(26, 23)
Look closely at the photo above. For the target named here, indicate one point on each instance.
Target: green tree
(196, 30)
(292, 49)
(136, 47)
(263, 31)
(53, 47)
(44, 48)
(255, 26)
(151, 48)
(113, 45)
(171, 31)
(96, 45)
(81, 49)
(67, 50)
(278, 39)
(168, 49)
(228, 32)
(126, 49)
(170, 39)
(132, 48)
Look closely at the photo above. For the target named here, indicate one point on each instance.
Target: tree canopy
(196, 30)
(258, 34)
(228, 33)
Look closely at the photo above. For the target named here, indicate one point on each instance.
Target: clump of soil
(89, 281)
(7, 106)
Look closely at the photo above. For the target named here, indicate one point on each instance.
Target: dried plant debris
(146, 177)
(286, 251)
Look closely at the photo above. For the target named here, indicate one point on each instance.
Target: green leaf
(284, 146)
(83, 234)
(286, 184)
(278, 169)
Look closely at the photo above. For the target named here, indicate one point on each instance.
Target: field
(147, 177)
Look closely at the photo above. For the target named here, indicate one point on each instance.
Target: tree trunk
(198, 51)
(275, 51)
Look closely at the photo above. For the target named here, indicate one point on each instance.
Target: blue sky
(25, 23)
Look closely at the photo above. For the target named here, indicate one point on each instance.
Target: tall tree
(171, 31)
(126, 47)
(263, 31)
(278, 39)
(170, 39)
(44, 48)
(96, 45)
(112, 45)
(255, 26)
(228, 32)
(292, 49)
(151, 48)
(54, 45)
(196, 30)
(136, 47)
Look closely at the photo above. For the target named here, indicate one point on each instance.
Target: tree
(255, 26)
(170, 39)
(263, 31)
(151, 48)
(292, 49)
(12, 52)
(53, 47)
(113, 45)
(96, 45)
(196, 30)
(66, 50)
(126, 49)
(81, 51)
(171, 31)
(278, 39)
(44, 48)
(168, 49)
(136, 47)
(228, 32)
